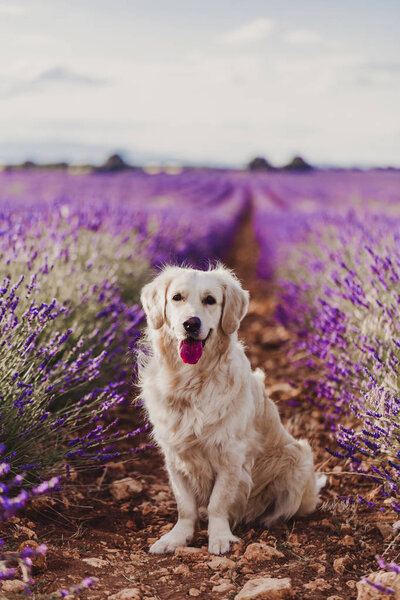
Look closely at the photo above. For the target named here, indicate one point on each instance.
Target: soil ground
(85, 522)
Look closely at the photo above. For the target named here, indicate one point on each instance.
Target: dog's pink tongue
(190, 352)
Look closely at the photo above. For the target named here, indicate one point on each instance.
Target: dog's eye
(177, 297)
(209, 300)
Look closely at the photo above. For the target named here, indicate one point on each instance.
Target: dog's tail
(314, 485)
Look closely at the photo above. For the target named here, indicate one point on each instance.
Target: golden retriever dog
(224, 445)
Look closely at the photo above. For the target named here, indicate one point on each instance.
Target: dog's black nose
(192, 325)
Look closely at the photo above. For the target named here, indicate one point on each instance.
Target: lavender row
(75, 252)
(339, 270)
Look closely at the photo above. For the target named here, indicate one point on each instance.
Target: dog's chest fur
(192, 417)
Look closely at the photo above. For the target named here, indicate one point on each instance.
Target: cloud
(53, 77)
(12, 10)
(378, 75)
(250, 32)
(302, 37)
(64, 75)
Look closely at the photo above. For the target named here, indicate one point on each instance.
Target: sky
(210, 82)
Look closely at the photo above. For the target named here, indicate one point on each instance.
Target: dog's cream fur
(224, 445)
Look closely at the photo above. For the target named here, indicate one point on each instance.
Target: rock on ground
(261, 551)
(221, 563)
(317, 584)
(368, 592)
(266, 588)
(39, 560)
(97, 563)
(13, 585)
(125, 488)
(223, 588)
(127, 594)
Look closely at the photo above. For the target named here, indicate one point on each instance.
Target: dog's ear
(153, 297)
(236, 301)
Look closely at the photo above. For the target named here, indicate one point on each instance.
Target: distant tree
(298, 164)
(114, 164)
(260, 164)
(28, 164)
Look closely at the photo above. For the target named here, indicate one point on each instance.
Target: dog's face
(196, 306)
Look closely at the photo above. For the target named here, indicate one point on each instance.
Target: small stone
(246, 570)
(261, 551)
(125, 488)
(340, 564)
(266, 588)
(223, 588)
(334, 598)
(97, 563)
(187, 551)
(351, 584)
(182, 570)
(127, 594)
(221, 563)
(39, 560)
(194, 592)
(347, 541)
(115, 469)
(319, 568)
(390, 580)
(328, 524)
(317, 584)
(29, 533)
(13, 585)
(385, 529)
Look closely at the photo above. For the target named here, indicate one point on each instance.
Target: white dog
(224, 445)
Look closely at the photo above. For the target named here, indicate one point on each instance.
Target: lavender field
(75, 252)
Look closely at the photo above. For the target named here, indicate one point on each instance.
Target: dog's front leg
(224, 493)
(182, 532)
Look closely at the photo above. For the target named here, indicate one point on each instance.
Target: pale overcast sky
(208, 81)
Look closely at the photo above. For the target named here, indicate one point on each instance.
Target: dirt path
(89, 533)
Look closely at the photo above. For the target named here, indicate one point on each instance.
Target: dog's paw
(168, 543)
(203, 514)
(222, 544)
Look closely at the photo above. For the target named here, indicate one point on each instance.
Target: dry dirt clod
(385, 529)
(97, 563)
(187, 551)
(351, 584)
(26, 532)
(340, 564)
(115, 469)
(13, 585)
(221, 563)
(261, 551)
(390, 580)
(347, 541)
(334, 598)
(194, 592)
(39, 561)
(266, 588)
(125, 488)
(317, 584)
(182, 570)
(127, 594)
(223, 588)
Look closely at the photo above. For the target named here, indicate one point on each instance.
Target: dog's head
(196, 306)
